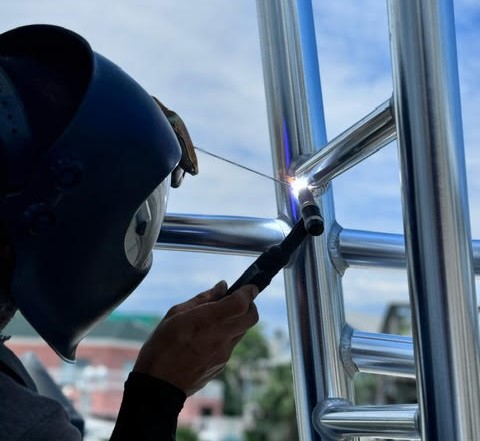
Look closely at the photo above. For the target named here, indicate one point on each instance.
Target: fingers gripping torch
(261, 272)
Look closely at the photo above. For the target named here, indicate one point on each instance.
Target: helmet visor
(144, 228)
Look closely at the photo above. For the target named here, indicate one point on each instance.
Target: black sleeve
(149, 410)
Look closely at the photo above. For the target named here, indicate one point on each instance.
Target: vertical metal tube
(313, 287)
(437, 231)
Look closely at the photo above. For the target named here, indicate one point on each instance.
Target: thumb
(219, 290)
(210, 295)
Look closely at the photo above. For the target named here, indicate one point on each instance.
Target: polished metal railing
(436, 250)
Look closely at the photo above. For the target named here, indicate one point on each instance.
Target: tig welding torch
(261, 272)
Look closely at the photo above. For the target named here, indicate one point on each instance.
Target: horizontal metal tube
(376, 353)
(251, 236)
(220, 234)
(352, 146)
(392, 422)
(372, 249)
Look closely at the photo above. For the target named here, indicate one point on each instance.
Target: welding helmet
(84, 203)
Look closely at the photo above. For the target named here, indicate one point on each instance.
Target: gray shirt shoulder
(27, 416)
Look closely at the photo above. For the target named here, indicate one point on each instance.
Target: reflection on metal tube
(382, 250)
(376, 353)
(246, 236)
(251, 236)
(296, 121)
(354, 145)
(338, 420)
(367, 249)
(357, 248)
(437, 227)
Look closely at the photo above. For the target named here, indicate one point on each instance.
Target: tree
(275, 418)
(186, 434)
(238, 375)
(251, 348)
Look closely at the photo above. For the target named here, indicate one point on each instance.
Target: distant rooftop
(117, 326)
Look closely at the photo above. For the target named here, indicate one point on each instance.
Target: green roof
(117, 326)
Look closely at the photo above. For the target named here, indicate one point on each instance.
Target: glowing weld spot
(297, 185)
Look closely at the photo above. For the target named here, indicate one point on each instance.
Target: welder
(87, 157)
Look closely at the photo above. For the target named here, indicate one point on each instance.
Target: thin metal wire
(229, 161)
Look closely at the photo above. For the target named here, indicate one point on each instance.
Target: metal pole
(437, 230)
(393, 422)
(366, 249)
(313, 287)
(250, 236)
(377, 353)
(355, 144)
(372, 249)
(243, 236)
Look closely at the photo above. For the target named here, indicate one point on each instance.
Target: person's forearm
(149, 410)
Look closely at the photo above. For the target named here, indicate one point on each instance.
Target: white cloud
(203, 60)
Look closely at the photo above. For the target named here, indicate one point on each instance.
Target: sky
(202, 59)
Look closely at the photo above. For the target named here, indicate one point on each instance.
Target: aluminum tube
(368, 249)
(352, 146)
(376, 353)
(296, 121)
(392, 422)
(245, 236)
(436, 218)
(358, 248)
(248, 236)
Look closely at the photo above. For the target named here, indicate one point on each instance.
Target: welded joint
(328, 406)
(334, 251)
(321, 188)
(337, 419)
(346, 351)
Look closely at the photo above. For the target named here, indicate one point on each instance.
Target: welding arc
(261, 272)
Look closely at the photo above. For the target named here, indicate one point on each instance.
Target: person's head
(86, 157)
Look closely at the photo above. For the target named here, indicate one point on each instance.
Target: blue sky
(203, 60)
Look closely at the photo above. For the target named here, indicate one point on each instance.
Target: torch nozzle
(270, 262)
(310, 211)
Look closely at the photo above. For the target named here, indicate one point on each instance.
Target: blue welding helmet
(83, 201)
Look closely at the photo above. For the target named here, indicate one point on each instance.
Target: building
(391, 390)
(94, 384)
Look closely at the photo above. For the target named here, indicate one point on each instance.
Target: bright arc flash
(298, 184)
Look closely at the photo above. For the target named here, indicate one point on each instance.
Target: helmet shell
(68, 223)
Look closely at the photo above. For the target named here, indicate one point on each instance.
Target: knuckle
(173, 310)
(253, 313)
(224, 355)
(203, 296)
(242, 302)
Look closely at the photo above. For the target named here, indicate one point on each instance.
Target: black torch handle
(261, 272)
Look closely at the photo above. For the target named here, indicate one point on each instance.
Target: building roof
(125, 328)
(117, 327)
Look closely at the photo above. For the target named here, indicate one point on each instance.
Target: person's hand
(196, 338)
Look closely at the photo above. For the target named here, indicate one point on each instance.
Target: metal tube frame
(436, 249)
(376, 353)
(436, 217)
(313, 286)
(250, 236)
(336, 419)
(352, 146)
